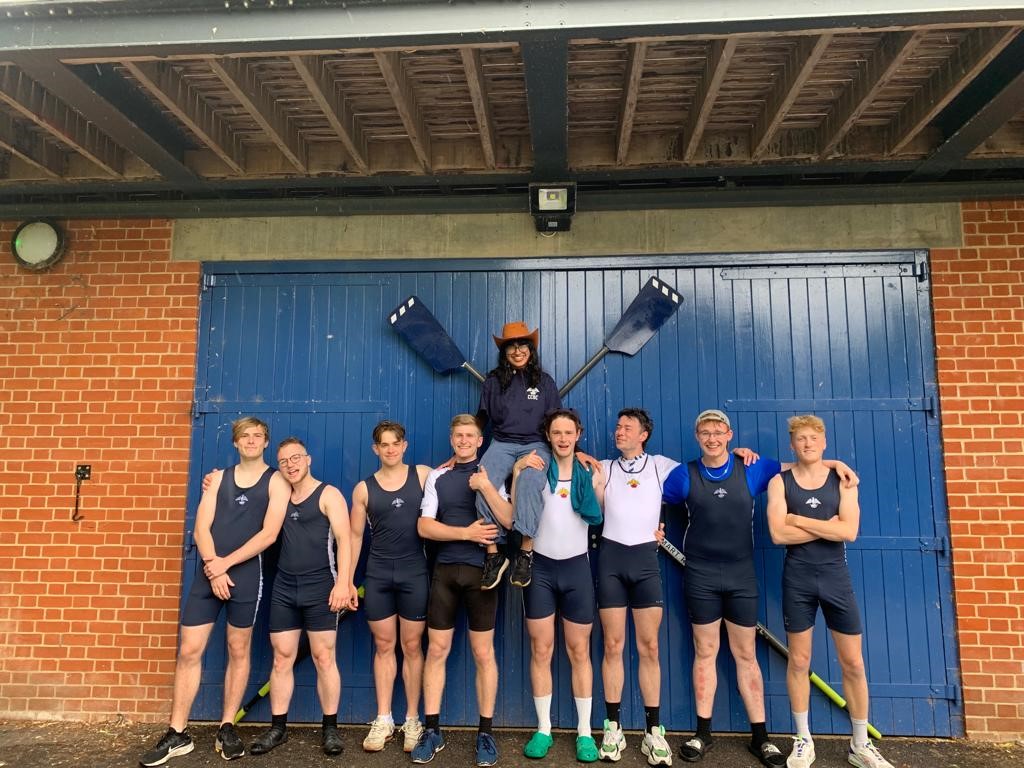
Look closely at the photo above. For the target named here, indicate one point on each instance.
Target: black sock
(432, 721)
(612, 708)
(758, 734)
(704, 727)
(652, 717)
(485, 724)
(279, 721)
(330, 720)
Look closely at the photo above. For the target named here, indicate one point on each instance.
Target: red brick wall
(96, 365)
(978, 293)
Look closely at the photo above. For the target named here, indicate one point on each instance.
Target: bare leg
(613, 625)
(647, 621)
(482, 646)
(282, 676)
(385, 665)
(705, 676)
(542, 646)
(412, 664)
(748, 671)
(799, 664)
(577, 647)
(187, 673)
(439, 645)
(855, 681)
(328, 678)
(236, 676)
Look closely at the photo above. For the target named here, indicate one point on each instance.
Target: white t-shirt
(632, 497)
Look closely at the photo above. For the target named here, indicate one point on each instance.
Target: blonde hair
(464, 420)
(238, 427)
(796, 423)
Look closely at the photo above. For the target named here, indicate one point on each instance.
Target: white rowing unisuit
(632, 497)
(562, 533)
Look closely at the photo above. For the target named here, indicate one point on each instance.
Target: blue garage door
(307, 347)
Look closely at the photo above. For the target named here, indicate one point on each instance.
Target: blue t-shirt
(759, 474)
(516, 414)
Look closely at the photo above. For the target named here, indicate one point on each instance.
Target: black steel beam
(546, 65)
(614, 200)
(186, 29)
(994, 98)
(67, 86)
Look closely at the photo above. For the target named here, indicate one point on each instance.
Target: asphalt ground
(55, 744)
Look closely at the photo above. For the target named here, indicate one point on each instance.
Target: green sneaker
(538, 745)
(586, 749)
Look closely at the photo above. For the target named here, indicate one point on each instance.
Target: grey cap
(712, 414)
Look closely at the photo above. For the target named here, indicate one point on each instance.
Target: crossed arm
(787, 528)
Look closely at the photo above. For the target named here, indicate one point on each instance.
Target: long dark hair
(504, 370)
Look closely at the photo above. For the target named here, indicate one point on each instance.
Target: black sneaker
(330, 740)
(171, 744)
(522, 569)
(494, 567)
(266, 741)
(228, 743)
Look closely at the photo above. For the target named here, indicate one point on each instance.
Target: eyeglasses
(295, 458)
(517, 345)
(706, 435)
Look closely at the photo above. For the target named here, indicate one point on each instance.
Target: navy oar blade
(421, 331)
(655, 304)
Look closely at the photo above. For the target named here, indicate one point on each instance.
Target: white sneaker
(802, 755)
(656, 748)
(613, 742)
(381, 732)
(412, 728)
(867, 756)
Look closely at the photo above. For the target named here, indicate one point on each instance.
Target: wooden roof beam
(890, 55)
(715, 67)
(185, 103)
(30, 148)
(799, 65)
(473, 65)
(402, 94)
(34, 102)
(341, 118)
(240, 79)
(630, 94)
(975, 52)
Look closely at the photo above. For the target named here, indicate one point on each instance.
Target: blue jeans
(498, 460)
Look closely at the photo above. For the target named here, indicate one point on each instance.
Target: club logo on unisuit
(720, 493)
(241, 500)
(294, 514)
(398, 503)
(563, 492)
(532, 393)
(813, 503)
(633, 482)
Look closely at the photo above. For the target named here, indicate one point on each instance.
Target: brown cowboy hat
(516, 330)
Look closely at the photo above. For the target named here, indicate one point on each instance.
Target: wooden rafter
(241, 80)
(799, 66)
(174, 92)
(879, 68)
(719, 56)
(405, 102)
(338, 114)
(44, 109)
(30, 148)
(472, 64)
(630, 94)
(974, 53)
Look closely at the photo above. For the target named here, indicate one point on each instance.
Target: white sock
(860, 732)
(803, 728)
(583, 707)
(387, 718)
(543, 706)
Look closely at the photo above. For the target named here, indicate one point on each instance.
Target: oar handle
(583, 371)
(474, 371)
